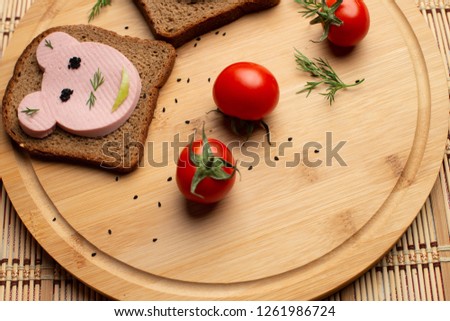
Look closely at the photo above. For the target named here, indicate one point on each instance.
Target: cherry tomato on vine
(345, 22)
(355, 23)
(205, 170)
(246, 90)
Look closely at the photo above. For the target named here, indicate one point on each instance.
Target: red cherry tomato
(214, 169)
(356, 22)
(246, 90)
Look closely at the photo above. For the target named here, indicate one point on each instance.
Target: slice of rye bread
(122, 149)
(179, 21)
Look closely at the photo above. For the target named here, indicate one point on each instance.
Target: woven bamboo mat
(416, 268)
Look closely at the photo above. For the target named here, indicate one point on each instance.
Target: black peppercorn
(65, 94)
(74, 63)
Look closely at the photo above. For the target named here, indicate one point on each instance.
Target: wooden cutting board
(289, 229)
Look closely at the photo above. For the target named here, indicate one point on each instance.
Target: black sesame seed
(154, 240)
(159, 204)
(290, 139)
(117, 178)
(54, 219)
(65, 94)
(164, 109)
(188, 80)
(126, 27)
(217, 32)
(209, 79)
(317, 151)
(250, 167)
(187, 122)
(93, 254)
(276, 158)
(176, 101)
(195, 45)
(109, 232)
(169, 179)
(224, 34)
(178, 79)
(135, 197)
(198, 38)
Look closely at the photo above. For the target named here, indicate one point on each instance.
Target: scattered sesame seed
(217, 32)
(126, 27)
(93, 254)
(198, 38)
(178, 79)
(250, 167)
(135, 197)
(176, 101)
(188, 80)
(317, 151)
(169, 179)
(164, 109)
(224, 34)
(187, 122)
(154, 240)
(117, 178)
(54, 219)
(276, 158)
(290, 139)
(159, 204)
(109, 232)
(195, 45)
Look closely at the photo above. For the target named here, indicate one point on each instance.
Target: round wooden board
(296, 228)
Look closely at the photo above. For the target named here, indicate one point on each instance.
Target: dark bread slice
(179, 21)
(122, 149)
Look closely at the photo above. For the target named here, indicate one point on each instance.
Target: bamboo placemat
(416, 268)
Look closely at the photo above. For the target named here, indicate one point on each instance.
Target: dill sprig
(48, 43)
(311, 7)
(95, 11)
(30, 111)
(96, 81)
(91, 101)
(320, 68)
